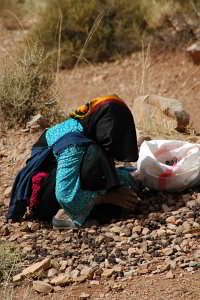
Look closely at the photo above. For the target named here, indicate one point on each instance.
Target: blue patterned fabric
(76, 202)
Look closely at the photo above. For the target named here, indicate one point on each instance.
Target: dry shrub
(124, 25)
(28, 86)
(119, 32)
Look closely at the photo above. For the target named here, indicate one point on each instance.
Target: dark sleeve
(97, 172)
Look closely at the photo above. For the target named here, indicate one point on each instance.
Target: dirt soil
(170, 74)
(183, 287)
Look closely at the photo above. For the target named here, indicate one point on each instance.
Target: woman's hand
(122, 196)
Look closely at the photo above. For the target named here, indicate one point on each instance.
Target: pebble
(170, 275)
(84, 296)
(116, 229)
(52, 273)
(171, 220)
(42, 287)
(166, 208)
(107, 273)
(167, 251)
(194, 264)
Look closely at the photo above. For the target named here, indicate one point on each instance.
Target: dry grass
(124, 24)
(9, 260)
(28, 86)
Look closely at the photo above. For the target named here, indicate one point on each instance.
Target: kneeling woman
(74, 163)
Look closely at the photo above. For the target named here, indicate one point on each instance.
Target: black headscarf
(109, 122)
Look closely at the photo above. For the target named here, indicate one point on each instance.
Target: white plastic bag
(168, 165)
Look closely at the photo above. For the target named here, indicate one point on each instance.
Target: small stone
(84, 296)
(88, 272)
(135, 235)
(172, 227)
(194, 264)
(74, 274)
(18, 278)
(61, 280)
(35, 227)
(55, 263)
(27, 249)
(5, 231)
(118, 268)
(60, 239)
(94, 282)
(170, 275)
(68, 239)
(194, 51)
(117, 287)
(129, 273)
(68, 270)
(145, 231)
(143, 269)
(137, 229)
(171, 220)
(80, 279)
(107, 273)
(42, 287)
(57, 288)
(132, 251)
(100, 239)
(52, 273)
(161, 232)
(179, 230)
(186, 227)
(63, 265)
(15, 236)
(167, 251)
(144, 246)
(166, 208)
(190, 269)
(115, 229)
(191, 204)
(7, 192)
(197, 254)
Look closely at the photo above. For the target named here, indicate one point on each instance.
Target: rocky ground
(138, 255)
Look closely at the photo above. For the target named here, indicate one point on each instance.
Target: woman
(83, 173)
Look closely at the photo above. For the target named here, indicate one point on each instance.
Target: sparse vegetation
(115, 35)
(27, 86)
(124, 25)
(9, 258)
(101, 30)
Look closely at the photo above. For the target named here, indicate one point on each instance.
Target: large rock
(37, 267)
(160, 113)
(194, 52)
(33, 269)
